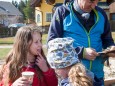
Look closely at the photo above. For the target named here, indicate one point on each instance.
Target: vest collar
(77, 7)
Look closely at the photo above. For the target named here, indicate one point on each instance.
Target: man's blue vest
(73, 28)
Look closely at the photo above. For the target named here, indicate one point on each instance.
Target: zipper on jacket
(87, 33)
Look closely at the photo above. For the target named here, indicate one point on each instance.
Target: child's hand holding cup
(28, 75)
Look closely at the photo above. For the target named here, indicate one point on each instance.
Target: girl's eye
(38, 41)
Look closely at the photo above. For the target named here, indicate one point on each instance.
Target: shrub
(7, 32)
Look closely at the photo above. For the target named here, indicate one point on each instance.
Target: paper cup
(28, 75)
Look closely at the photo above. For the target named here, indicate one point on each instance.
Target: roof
(10, 9)
(56, 5)
(2, 12)
(103, 5)
(50, 2)
(37, 3)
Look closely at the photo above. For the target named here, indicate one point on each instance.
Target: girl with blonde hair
(78, 76)
(27, 55)
(64, 59)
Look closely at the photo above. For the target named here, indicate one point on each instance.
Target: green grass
(4, 52)
(44, 38)
(9, 40)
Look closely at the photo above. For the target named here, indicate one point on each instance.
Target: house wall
(112, 16)
(112, 7)
(59, 1)
(42, 10)
(9, 19)
(45, 8)
(38, 11)
(2, 18)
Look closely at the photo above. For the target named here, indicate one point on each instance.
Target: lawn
(44, 38)
(3, 52)
(9, 40)
(6, 41)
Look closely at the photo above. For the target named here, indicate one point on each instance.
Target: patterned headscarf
(61, 53)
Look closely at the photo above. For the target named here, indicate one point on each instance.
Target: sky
(10, 0)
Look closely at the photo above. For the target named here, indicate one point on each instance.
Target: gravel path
(110, 71)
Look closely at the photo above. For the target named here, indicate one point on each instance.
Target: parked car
(16, 25)
(12, 28)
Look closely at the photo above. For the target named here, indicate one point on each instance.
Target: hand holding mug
(21, 82)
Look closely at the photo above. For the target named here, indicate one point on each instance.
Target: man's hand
(90, 54)
(110, 51)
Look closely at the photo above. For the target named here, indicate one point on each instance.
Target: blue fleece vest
(73, 28)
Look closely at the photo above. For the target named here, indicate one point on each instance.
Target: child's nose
(40, 44)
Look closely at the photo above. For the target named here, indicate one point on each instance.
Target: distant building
(9, 13)
(44, 12)
(112, 15)
(112, 11)
(44, 9)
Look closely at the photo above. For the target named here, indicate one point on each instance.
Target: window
(1, 22)
(48, 17)
(38, 18)
(113, 16)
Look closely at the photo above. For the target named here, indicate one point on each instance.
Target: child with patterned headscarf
(64, 59)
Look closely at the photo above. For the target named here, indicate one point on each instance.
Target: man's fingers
(112, 48)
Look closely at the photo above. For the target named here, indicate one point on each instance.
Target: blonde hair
(77, 76)
(17, 57)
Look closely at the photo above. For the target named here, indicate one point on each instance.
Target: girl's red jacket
(49, 78)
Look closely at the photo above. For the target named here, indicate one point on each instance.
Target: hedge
(7, 32)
